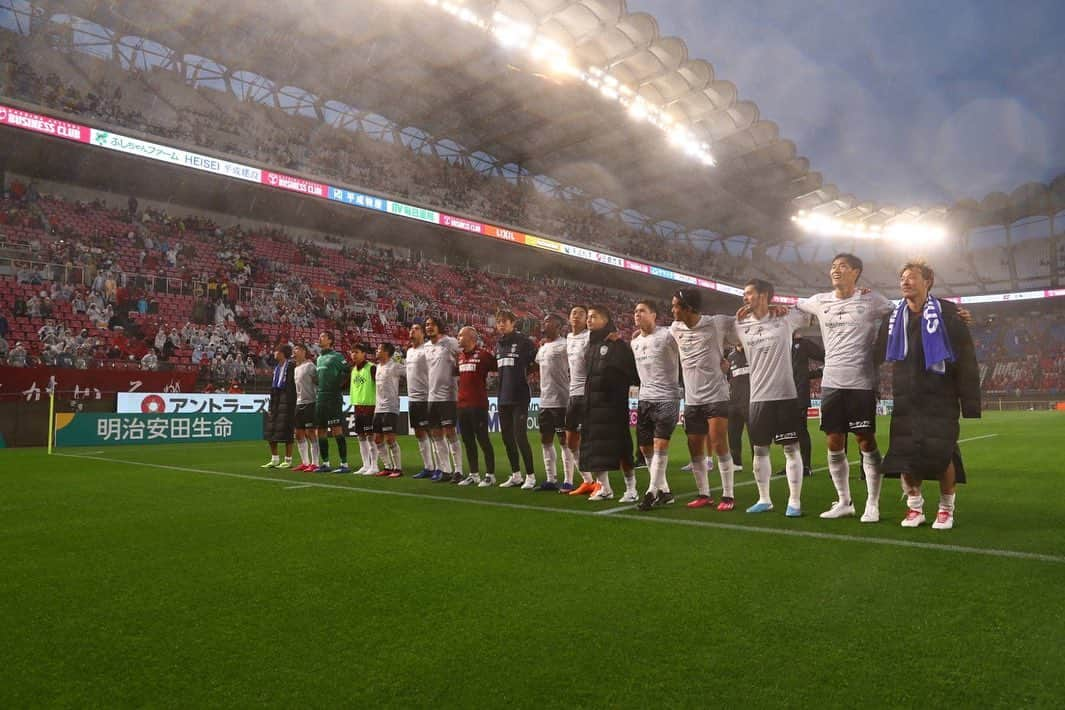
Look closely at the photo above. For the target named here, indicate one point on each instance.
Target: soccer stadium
(359, 354)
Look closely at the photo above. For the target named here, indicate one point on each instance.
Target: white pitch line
(935, 547)
(977, 438)
(750, 482)
(299, 485)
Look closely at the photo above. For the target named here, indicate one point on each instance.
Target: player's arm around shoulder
(966, 368)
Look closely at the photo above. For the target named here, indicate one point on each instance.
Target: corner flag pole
(51, 420)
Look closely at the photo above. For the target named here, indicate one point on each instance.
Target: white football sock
(586, 476)
(316, 454)
(630, 481)
(652, 471)
(434, 459)
(442, 458)
(569, 464)
(550, 461)
(604, 478)
(728, 476)
(915, 502)
(702, 479)
(394, 452)
(274, 458)
(425, 448)
(455, 448)
(873, 475)
(946, 502)
(763, 471)
(793, 469)
(382, 454)
(839, 469)
(301, 447)
(660, 464)
(364, 453)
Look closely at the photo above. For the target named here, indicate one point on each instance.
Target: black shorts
(575, 413)
(305, 416)
(697, 416)
(329, 412)
(385, 422)
(552, 419)
(775, 422)
(419, 415)
(442, 414)
(845, 411)
(656, 420)
(363, 420)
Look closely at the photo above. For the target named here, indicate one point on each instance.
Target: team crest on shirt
(603, 350)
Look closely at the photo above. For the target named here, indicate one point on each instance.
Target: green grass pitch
(143, 576)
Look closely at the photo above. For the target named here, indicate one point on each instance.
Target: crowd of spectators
(119, 286)
(307, 145)
(220, 298)
(1022, 354)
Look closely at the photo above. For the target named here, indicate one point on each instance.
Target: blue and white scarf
(279, 376)
(937, 350)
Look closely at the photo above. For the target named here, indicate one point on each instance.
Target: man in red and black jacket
(474, 365)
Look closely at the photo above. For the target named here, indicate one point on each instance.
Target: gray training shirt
(442, 357)
(849, 327)
(387, 382)
(658, 364)
(767, 343)
(701, 351)
(306, 376)
(576, 349)
(418, 373)
(553, 359)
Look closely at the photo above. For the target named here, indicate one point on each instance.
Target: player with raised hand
(767, 339)
(700, 342)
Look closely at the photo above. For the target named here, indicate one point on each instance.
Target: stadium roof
(426, 69)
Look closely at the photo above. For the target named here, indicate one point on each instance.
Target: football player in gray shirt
(850, 320)
(306, 377)
(576, 350)
(774, 417)
(442, 357)
(700, 340)
(553, 359)
(658, 365)
(418, 392)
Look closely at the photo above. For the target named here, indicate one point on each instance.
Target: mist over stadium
(201, 198)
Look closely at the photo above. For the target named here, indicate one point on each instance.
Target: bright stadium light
(513, 34)
(898, 232)
(680, 136)
(638, 109)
